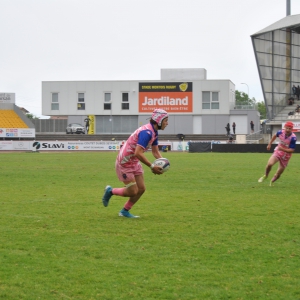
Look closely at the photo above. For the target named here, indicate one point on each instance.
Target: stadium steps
(10, 119)
(283, 115)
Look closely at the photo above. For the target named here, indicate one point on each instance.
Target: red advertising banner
(296, 126)
(173, 97)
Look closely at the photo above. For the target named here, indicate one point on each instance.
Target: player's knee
(142, 190)
(132, 190)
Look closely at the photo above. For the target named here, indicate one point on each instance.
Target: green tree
(242, 98)
(261, 107)
(31, 116)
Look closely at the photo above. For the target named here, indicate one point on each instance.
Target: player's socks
(128, 205)
(273, 180)
(118, 191)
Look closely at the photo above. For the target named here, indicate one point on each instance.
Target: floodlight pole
(288, 7)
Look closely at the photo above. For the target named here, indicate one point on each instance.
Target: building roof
(292, 22)
(24, 110)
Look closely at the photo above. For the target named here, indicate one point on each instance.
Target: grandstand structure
(277, 53)
(13, 123)
(10, 119)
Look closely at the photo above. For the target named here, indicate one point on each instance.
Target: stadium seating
(10, 119)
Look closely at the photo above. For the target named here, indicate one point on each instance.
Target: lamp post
(248, 91)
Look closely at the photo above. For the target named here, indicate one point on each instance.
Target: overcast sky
(45, 40)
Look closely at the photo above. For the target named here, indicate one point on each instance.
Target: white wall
(241, 124)
(197, 125)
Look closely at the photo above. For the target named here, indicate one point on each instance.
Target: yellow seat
(10, 119)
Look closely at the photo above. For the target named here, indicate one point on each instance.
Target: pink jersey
(286, 142)
(126, 153)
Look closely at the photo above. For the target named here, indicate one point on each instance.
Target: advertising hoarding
(173, 97)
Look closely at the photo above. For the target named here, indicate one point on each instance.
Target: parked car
(75, 128)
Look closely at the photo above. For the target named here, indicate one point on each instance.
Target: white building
(196, 105)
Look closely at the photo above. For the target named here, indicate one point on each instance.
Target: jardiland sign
(173, 97)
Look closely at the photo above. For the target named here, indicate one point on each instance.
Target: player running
(282, 153)
(128, 166)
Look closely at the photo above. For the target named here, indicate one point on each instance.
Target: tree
(242, 98)
(31, 116)
(261, 107)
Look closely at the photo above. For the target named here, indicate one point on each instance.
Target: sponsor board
(6, 145)
(75, 146)
(184, 146)
(17, 132)
(26, 132)
(87, 145)
(173, 97)
(22, 145)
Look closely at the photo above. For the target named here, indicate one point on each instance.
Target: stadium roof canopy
(277, 53)
(292, 22)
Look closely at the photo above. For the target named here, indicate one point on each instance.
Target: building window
(107, 97)
(107, 101)
(205, 100)
(215, 100)
(125, 97)
(125, 100)
(54, 102)
(210, 100)
(125, 105)
(80, 106)
(80, 103)
(107, 106)
(80, 97)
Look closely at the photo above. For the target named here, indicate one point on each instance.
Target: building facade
(196, 105)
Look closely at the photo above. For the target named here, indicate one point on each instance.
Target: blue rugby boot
(107, 195)
(125, 213)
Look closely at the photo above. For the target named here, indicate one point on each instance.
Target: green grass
(207, 230)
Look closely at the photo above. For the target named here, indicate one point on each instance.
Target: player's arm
(145, 137)
(271, 141)
(291, 148)
(140, 154)
(155, 151)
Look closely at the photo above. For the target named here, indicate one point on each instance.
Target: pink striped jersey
(145, 136)
(287, 142)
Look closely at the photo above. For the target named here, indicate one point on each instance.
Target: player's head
(158, 117)
(288, 126)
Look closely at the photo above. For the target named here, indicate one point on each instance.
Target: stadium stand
(10, 119)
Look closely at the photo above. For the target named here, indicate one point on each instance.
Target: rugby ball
(163, 163)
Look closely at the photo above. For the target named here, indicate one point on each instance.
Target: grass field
(207, 230)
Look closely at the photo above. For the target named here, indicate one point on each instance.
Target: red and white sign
(296, 126)
(173, 97)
